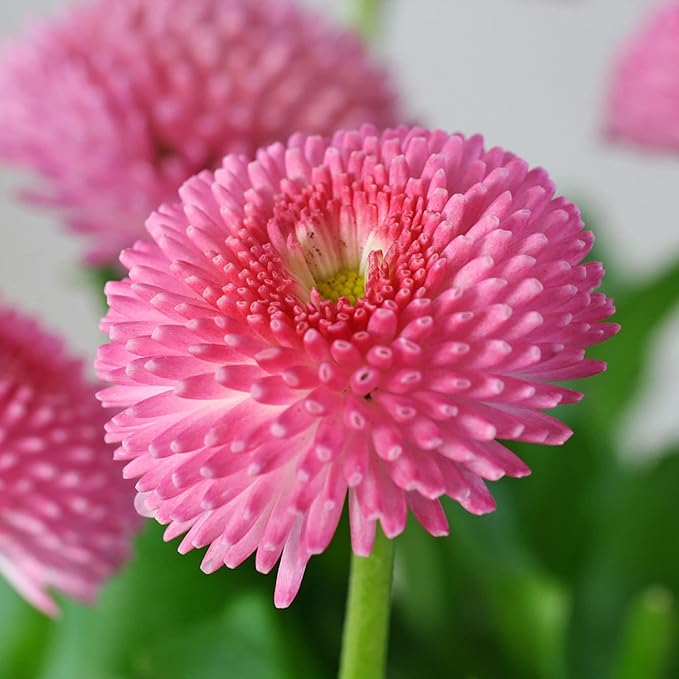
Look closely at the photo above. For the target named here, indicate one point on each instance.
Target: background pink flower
(643, 101)
(120, 102)
(255, 398)
(66, 517)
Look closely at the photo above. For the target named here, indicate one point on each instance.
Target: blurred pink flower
(66, 514)
(254, 402)
(643, 101)
(120, 102)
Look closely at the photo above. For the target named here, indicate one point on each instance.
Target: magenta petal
(67, 517)
(251, 420)
(163, 89)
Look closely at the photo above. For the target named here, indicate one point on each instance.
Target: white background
(529, 74)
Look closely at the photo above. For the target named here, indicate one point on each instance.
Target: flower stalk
(366, 625)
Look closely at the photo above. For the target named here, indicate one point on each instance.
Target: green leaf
(496, 611)
(641, 310)
(248, 639)
(24, 632)
(636, 521)
(529, 609)
(532, 611)
(555, 507)
(643, 523)
(155, 597)
(419, 580)
(648, 636)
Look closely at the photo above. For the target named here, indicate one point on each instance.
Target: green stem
(367, 16)
(366, 625)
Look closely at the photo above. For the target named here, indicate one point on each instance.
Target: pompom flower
(357, 319)
(120, 102)
(643, 102)
(66, 514)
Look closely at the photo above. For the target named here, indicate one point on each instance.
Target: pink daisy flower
(66, 517)
(357, 319)
(120, 102)
(643, 102)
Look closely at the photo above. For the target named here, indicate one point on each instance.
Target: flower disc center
(345, 283)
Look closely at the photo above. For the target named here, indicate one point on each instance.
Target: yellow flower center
(345, 283)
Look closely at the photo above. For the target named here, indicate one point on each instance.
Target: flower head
(120, 102)
(356, 319)
(643, 102)
(66, 517)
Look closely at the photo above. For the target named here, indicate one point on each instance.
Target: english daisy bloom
(643, 102)
(117, 103)
(66, 514)
(358, 319)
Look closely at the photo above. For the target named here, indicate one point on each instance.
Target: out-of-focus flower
(66, 514)
(643, 101)
(351, 319)
(120, 102)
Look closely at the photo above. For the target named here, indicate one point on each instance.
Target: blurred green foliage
(576, 576)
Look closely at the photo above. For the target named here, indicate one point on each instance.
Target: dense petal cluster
(643, 102)
(120, 102)
(252, 406)
(66, 514)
